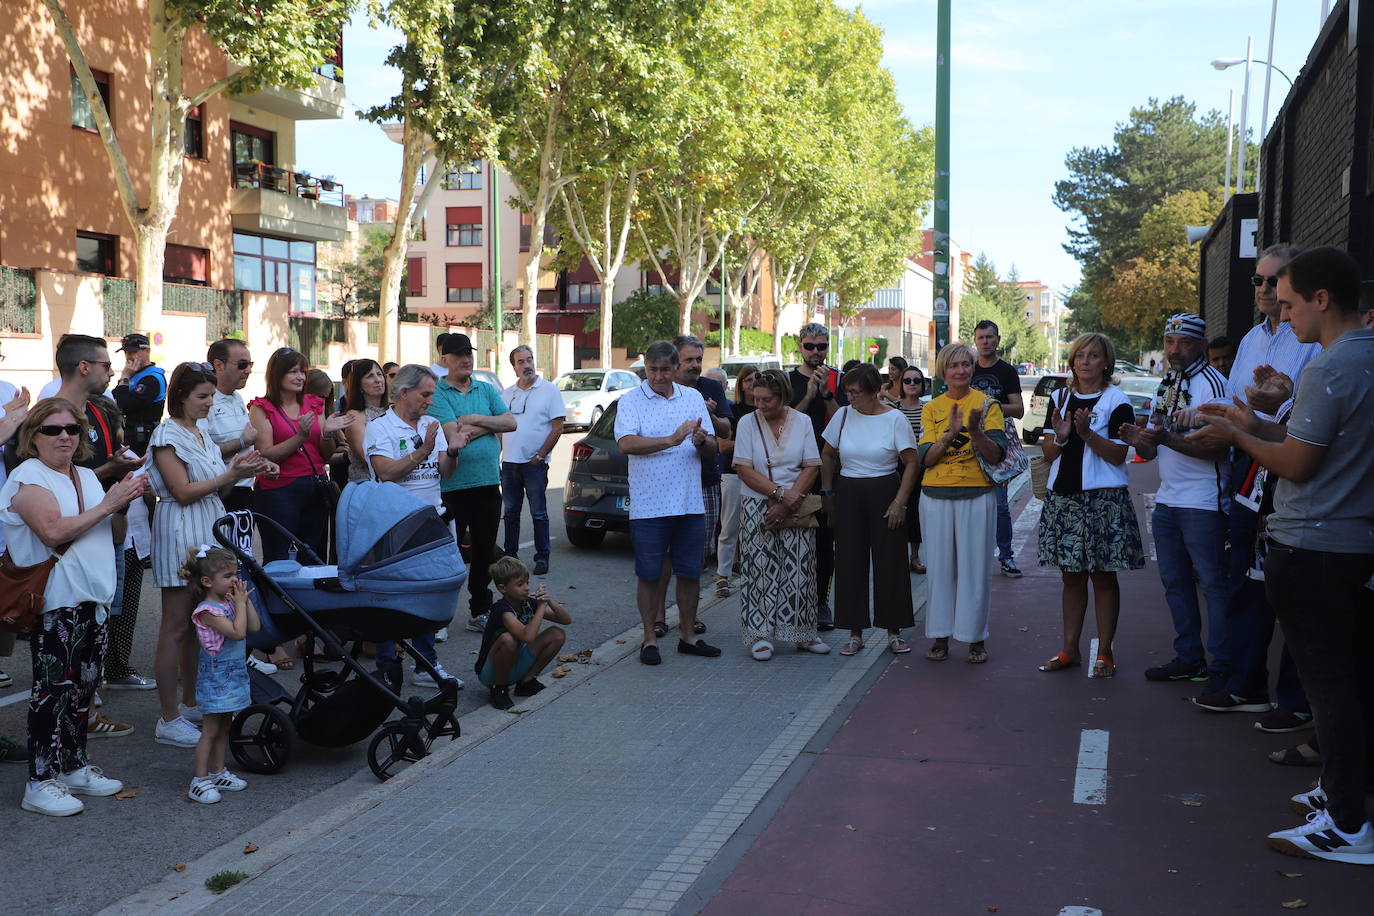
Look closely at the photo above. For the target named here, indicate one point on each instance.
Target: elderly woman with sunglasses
(190, 479)
(50, 505)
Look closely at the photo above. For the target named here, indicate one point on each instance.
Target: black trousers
(1327, 616)
(864, 543)
(476, 513)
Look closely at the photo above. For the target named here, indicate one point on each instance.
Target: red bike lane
(956, 788)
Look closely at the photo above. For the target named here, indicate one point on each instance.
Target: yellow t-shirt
(959, 467)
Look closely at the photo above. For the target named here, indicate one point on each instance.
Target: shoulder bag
(1014, 461)
(805, 514)
(22, 588)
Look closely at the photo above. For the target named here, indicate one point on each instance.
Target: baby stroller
(398, 577)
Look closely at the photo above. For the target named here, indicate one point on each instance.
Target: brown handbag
(22, 588)
(805, 516)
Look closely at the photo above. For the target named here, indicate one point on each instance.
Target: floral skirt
(1092, 531)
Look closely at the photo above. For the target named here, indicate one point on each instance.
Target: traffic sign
(872, 349)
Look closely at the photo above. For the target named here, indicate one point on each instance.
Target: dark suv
(596, 498)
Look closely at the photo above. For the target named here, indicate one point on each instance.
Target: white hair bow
(203, 549)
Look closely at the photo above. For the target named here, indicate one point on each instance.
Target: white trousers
(958, 536)
(728, 541)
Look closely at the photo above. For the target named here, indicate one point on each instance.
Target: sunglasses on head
(1261, 280)
(816, 346)
(54, 429)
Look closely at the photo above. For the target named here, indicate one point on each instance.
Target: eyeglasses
(912, 381)
(1261, 280)
(53, 429)
(95, 362)
(816, 346)
(242, 364)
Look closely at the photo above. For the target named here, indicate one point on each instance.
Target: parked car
(1126, 367)
(486, 375)
(1039, 404)
(733, 364)
(596, 498)
(1140, 390)
(588, 392)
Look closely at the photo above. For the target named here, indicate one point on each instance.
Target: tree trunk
(549, 169)
(393, 256)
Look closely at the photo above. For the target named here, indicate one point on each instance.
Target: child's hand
(541, 593)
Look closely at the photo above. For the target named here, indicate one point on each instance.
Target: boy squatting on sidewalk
(514, 651)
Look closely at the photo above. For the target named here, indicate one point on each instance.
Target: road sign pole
(943, 293)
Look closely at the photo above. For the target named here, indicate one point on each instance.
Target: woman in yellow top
(958, 509)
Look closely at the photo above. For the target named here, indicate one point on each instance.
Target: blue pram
(399, 576)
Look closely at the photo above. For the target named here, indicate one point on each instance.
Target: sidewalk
(997, 788)
(611, 797)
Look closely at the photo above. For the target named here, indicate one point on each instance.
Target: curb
(281, 836)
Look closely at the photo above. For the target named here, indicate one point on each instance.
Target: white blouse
(86, 571)
(784, 455)
(870, 445)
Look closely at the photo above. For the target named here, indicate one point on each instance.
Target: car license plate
(622, 502)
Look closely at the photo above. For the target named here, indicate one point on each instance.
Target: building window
(526, 221)
(184, 264)
(464, 226)
(415, 276)
(252, 145)
(584, 293)
(82, 115)
(97, 253)
(463, 283)
(193, 144)
(364, 211)
(465, 178)
(276, 266)
(655, 289)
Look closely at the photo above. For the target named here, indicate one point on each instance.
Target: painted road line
(1026, 523)
(1090, 780)
(1149, 500)
(1092, 657)
(18, 697)
(1080, 911)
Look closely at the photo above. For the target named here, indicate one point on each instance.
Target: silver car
(588, 392)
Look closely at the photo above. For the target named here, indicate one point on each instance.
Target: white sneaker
(225, 781)
(90, 781)
(1309, 801)
(817, 647)
(424, 679)
(442, 635)
(1319, 839)
(52, 798)
(177, 733)
(203, 791)
(477, 624)
(189, 713)
(258, 664)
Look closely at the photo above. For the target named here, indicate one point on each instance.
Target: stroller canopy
(387, 535)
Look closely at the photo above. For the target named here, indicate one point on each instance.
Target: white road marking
(525, 544)
(1092, 657)
(18, 697)
(1149, 500)
(1080, 911)
(1090, 780)
(1025, 523)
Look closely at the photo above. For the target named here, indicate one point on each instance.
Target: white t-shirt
(86, 571)
(225, 422)
(1194, 483)
(391, 437)
(667, 482)
(871, 444)
(793, 450)
(534, 408)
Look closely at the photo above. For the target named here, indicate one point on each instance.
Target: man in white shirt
(227, 422)
(538, 410)
(406, 447)
(665, 429)
(1189, 519)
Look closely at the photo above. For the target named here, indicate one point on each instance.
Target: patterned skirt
(1092, 531)
(778, 602)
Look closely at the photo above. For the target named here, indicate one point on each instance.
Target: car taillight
(582, 451)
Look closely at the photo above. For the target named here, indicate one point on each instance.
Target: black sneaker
(1223, 701)
(541, 567)
(500, 697)
(1010, 570)
(1177, 670)
(529, 688)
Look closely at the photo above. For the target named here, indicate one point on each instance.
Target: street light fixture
(1222, 63)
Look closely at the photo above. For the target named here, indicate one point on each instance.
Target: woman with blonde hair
(1088, 527)
(958, 508)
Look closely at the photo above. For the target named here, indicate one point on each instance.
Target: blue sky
(1030, 82)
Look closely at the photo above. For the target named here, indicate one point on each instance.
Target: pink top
(295, 465)
(211, 640)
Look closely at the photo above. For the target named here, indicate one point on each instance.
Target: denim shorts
(678, 536)
(524, 660)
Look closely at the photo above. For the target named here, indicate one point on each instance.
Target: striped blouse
(177, 528)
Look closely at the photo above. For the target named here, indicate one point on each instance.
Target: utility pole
(943, 294)
(498, 321)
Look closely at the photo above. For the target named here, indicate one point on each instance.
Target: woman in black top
(728, 541)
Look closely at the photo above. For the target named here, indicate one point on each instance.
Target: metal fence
(18, 301)
(222, 308)
(312, 336)
(118, 305)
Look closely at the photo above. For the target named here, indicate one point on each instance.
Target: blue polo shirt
(479, 465)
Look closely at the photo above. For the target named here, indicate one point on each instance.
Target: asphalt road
(123, 844)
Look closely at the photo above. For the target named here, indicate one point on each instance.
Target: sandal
(1292, 757)
(660, 629)
(722, 587)
(977, 654)
(1061, 661)
(1103, 667)
(897, 645)
(852, 646)
(938, 651)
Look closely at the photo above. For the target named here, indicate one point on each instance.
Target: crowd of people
(1264, 513)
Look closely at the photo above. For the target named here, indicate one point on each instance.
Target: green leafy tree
(270, 44)
(362, 277)
(642, 318)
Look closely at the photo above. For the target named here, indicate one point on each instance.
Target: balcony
(285, 203)
(320, 102)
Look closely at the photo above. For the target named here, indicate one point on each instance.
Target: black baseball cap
(133, 342)
(455, 344)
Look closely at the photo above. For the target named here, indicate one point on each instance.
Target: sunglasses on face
(816, 346)
(53, 429)
(911, 381)
(242, 364)
(1261, 280)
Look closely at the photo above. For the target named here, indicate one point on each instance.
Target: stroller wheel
(395, 746)
(260, 738)
(441, 725)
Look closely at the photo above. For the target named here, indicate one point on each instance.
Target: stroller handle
(224, 533)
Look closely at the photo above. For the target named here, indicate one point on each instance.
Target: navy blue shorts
(677, 536)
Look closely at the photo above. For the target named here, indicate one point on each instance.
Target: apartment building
(1044, 309)
(250, 214)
